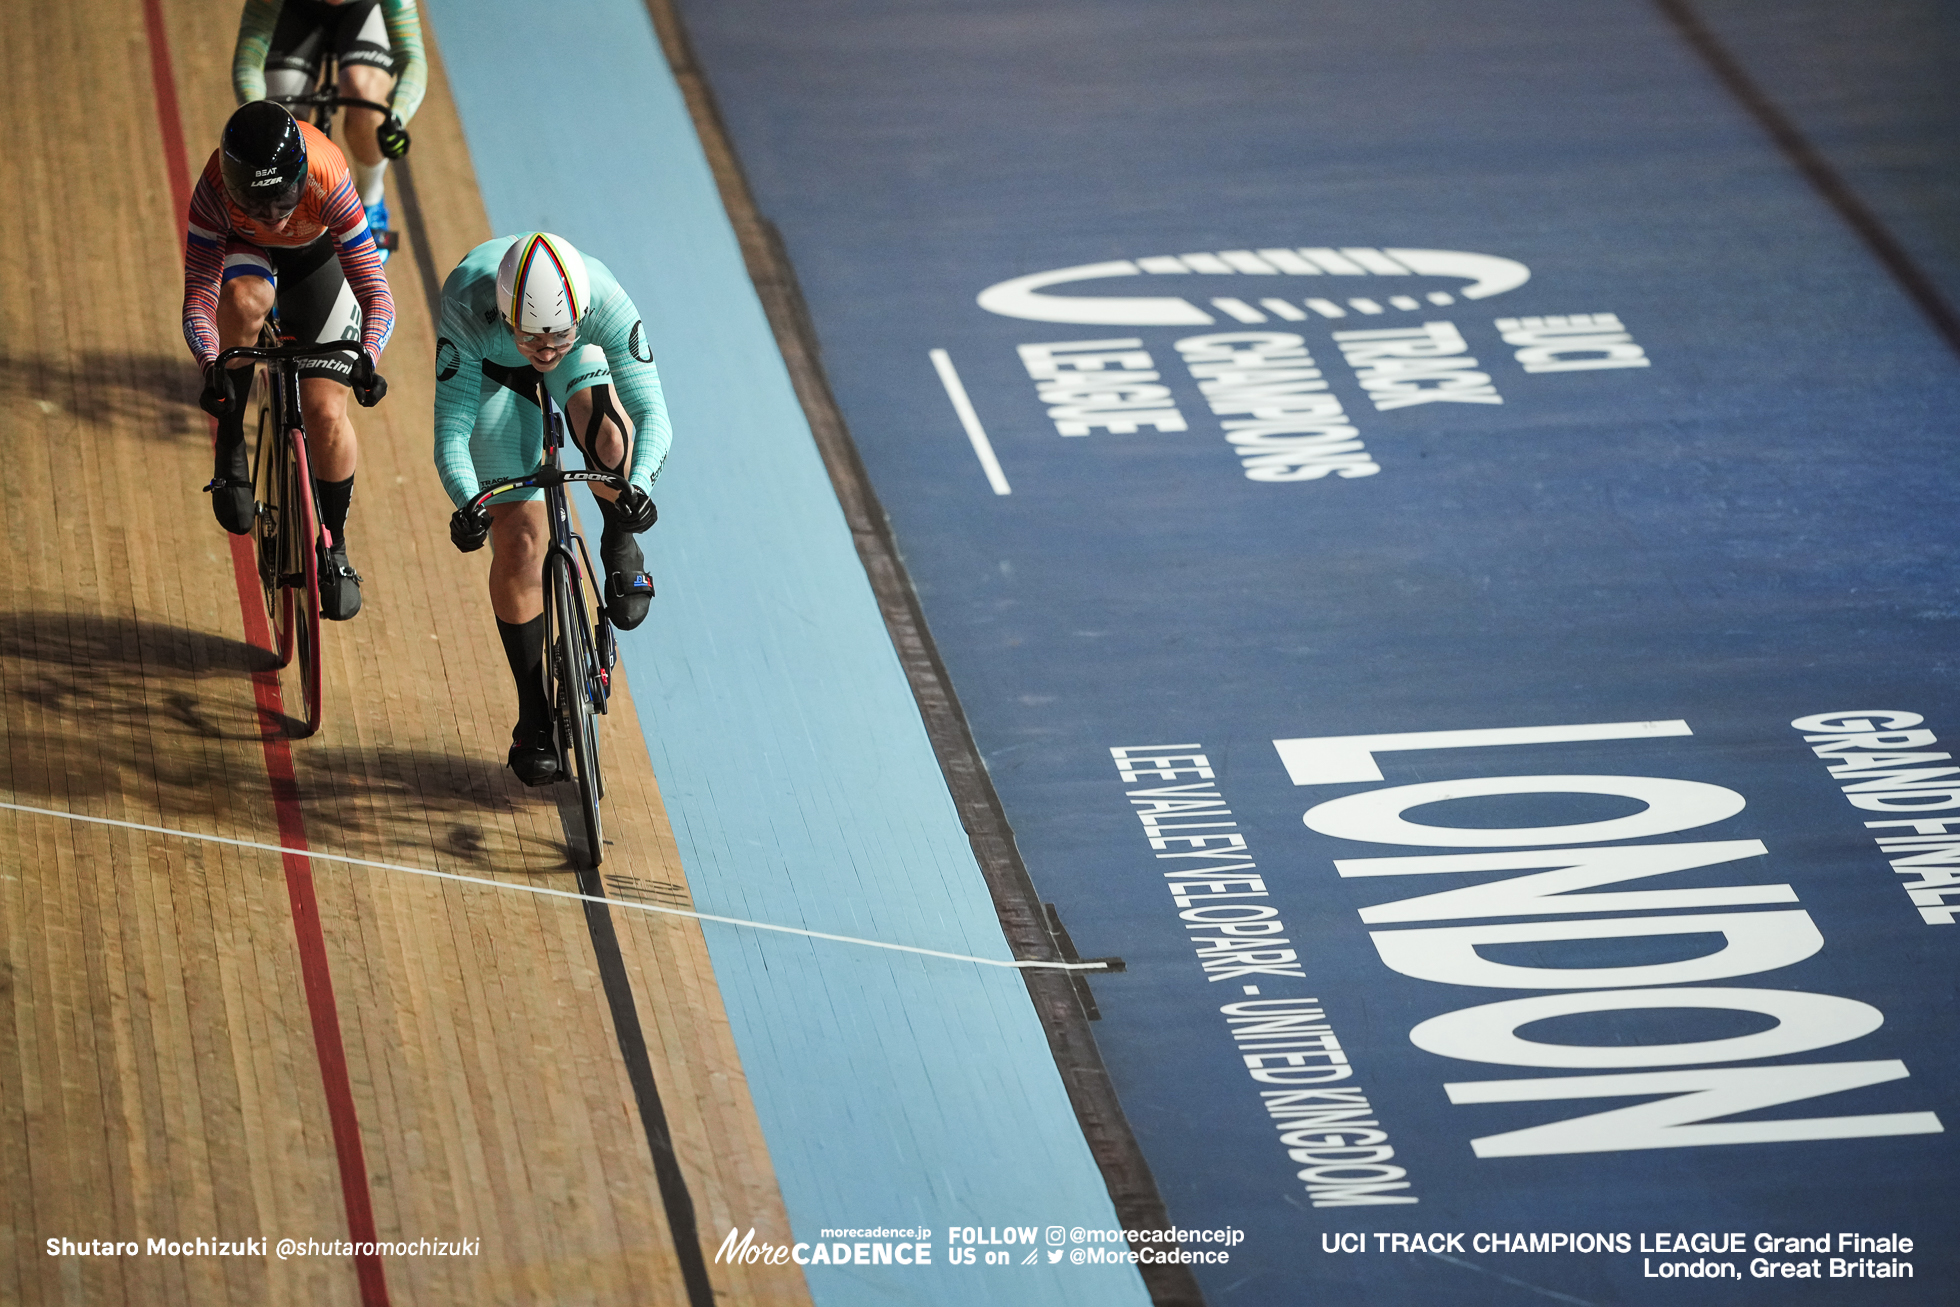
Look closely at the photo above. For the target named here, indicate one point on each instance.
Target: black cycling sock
(231, 427)
(335, 496)
(524, 647)
(231, 440)
(609, 514)
(619, 548)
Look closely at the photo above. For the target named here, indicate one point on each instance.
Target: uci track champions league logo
(1240, 343)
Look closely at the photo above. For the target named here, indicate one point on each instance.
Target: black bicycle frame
(552, 478)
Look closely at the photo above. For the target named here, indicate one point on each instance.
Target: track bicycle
(286, 530)
(580, 651)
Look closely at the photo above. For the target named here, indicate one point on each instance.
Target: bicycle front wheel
(570, 650)
(303, 594)
(270, 526)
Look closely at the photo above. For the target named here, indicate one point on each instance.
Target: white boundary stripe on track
(955, 391)
(552, 893)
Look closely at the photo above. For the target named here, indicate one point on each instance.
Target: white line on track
(943, 362)
(552, 893)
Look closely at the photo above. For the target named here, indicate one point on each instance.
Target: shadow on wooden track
(96, 706)
(456, 804)
(153, 393)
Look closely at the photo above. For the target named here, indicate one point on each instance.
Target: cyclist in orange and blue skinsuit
(274, 217)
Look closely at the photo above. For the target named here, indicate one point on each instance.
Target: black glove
(369, 385)
(635, 509)
(469, 528)
(392, 136)
(220, 397)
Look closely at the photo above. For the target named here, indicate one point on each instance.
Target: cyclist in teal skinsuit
(378, 44)
(518, 309)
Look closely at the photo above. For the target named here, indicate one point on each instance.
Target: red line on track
(314, 971)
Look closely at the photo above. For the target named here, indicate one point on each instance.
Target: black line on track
(674, 1197)
(639, 1071)
(1024, 921)
(1809, 161)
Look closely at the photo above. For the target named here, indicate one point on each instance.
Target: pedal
(390, 241)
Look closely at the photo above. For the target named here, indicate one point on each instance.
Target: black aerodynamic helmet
(263, 158)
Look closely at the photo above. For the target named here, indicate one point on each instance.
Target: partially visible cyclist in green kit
(517, 310)
(280, 44)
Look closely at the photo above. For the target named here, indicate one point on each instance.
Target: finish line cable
(1018, 965)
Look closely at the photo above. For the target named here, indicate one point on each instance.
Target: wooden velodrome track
(204, 1040)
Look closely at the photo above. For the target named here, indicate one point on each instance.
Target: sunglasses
(545, 339)
(271, 208)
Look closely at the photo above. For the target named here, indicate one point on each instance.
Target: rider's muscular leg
(331, 448)
(330, 442)
(610, 445)
(605, 436)
(519, 541)
(364, 82)
(243, 303)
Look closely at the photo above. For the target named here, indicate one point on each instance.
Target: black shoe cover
(340, 586)
(232, 502)
(629, 590)
(533, 756)
(628, 596)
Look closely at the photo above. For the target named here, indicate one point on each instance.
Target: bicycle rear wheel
(578, 736)
(302, 601)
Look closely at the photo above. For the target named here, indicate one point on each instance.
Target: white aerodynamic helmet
(542, 285)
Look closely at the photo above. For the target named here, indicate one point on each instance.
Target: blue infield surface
(899, 1094)
(1461, 600)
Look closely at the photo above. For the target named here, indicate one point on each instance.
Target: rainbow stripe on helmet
(542, 241)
